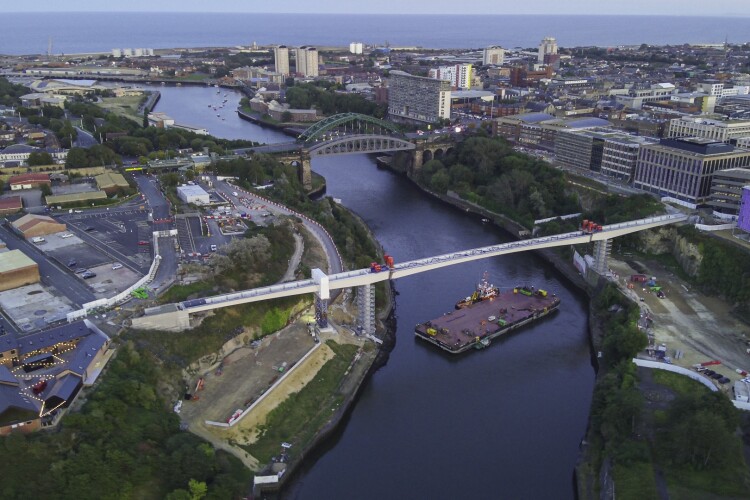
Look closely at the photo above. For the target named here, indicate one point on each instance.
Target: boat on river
(484, 291)
(475, 325)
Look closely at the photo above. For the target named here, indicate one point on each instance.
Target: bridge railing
(643, 222)
(228, 297)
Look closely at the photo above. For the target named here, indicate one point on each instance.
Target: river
(504, 422)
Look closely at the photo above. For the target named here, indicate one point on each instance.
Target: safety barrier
(718, 227)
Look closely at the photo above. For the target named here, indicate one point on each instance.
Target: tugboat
(482, 343)
(485, 291)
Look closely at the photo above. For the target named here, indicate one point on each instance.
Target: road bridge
(321, 284)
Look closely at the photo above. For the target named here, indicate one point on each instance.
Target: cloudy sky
(660, 7)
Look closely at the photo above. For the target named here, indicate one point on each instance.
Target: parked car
(89, 228)
(37, 239)
(716, 376)
(116, 266)
(82, 270)
(72, 263)
(88, 274)
(724, 380)
(66, 235)
(213, 248)
(143, 242)
(708, 373)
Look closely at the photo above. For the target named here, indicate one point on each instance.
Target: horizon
(682, 8)
(438, 14)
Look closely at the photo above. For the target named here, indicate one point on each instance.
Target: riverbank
(285, 128)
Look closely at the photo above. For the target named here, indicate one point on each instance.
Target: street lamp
(490, 99)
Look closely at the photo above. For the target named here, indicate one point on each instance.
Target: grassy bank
(299, 418)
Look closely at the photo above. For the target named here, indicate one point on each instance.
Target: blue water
(27, 33)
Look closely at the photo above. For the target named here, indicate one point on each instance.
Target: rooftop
(14, 260)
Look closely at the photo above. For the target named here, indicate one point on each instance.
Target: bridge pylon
(602, 249)
(305, 171)
(366, 309)
(322, 295)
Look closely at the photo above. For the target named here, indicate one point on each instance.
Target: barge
(475, 325)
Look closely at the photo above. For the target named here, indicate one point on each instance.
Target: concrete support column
(417, 159)
(602, 249)
(366, 307)
(321, 312)
(305, 171)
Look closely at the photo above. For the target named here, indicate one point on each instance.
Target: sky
(573, 7)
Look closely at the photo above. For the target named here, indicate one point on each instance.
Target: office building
(547, 48)
(493, 56)
(281, 60)
(743, 221)
(418, 98)
(636, 98)
(459, 75)
(306, 61)
(726, 191)
(356, 48)
(716, 130)
(620, 155)
(682, 169)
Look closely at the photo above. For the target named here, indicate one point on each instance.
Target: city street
(52, 275)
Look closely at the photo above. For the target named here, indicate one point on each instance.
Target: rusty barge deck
(476, 325)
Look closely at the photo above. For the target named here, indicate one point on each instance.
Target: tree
(39, 158)
(286, 116)
(77, 158)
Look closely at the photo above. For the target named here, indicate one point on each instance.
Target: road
(85, 139)
(160, 211)
(52, 275)
(334, 261)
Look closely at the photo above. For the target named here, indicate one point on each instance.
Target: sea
(74, 33)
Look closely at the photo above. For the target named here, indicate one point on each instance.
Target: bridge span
(321, 284)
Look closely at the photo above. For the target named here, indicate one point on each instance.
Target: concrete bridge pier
(305, 171)
(366, 307)
(602, 249)
(321, 312)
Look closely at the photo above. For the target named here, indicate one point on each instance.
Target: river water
(504, 422)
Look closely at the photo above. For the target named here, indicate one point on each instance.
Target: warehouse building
(16, 269)
(111, 182)
(75, 199)
(10, 205)
(31, 225)
(193, 194)
(28, 181)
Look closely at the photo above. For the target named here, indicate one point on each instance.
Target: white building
(717, 130)
(116, 53)
(548, 46)
(418, 99)
(281, 59)
(193, 194)
(356, 47)
(306, 63)
(718, 90)
(459, 75)
(494, 56)
(635, 99)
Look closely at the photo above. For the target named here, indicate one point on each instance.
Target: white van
(37, 239)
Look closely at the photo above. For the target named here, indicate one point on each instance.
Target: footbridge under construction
(176, 316)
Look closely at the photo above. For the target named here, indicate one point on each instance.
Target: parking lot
(122, 236)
